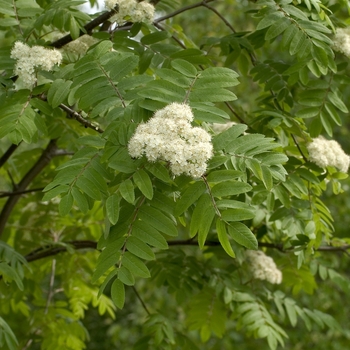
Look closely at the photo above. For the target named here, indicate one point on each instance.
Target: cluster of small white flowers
(263, 267)
(328, 153)
(341, 41)
(80, 45)
(28, 58)
(218, 128)
(131, 10)
(169, 136)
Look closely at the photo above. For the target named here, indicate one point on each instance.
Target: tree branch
(8, 154)
(183, 9)
(219, 15)
(75, 115)
(54, 249)
(88, 28)
(51, 250)
(16, 193)
(45, 158)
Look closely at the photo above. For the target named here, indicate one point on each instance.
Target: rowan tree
(169, 173)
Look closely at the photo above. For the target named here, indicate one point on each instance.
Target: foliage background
(194, 297)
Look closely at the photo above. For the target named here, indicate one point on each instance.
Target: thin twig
(173, 37)
(211, 196)
(17, 19)
(141, 301)
(219, 15)
(183, 9)
(297, 144)
(235, 113)
(51, 293)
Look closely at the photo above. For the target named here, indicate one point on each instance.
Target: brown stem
(51, 250)
(16, 193)
(75, 115)
(41, 163)
(140, 299)
(183, 9)
(88, 28)
(219, 15)
(8, 154)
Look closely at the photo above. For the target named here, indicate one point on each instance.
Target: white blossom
(263, 267)
(80, 45)
(169, 136)
(131, 10)
(29, 58)
(341, 41)
(328, 153)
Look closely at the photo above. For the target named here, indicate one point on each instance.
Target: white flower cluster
(80, 45)
(28, 58)
(328, 153)
(131, 10)
(263, 267)
(169, 136)
(341, 41)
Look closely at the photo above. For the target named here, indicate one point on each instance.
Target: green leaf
(242, 235)
(297, 42)
(81, 200)
(11, 273)
(269, 20)
(205, 224)
(144, 183)
(112, 208)
(88, 187)
(223, 239)
(126, 189)
(158, 220)
(10, 337)
(222, 140)
(66, 204)
(337, 102)
(202, 205)
(277, 28)
(210, 95)
(149, 234)
(237, 214)
(58, 92)
(267, 177)
(159, 171)
(163, 91)
(109, 256)
(290, 308)
(184, 67)
(118, 294)
(155, 37)
(223, 175)
(55, 192)
(139, 248)
(308, 112)
(125, 276)
(191, 194)
(135, 265)
(230, 188)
